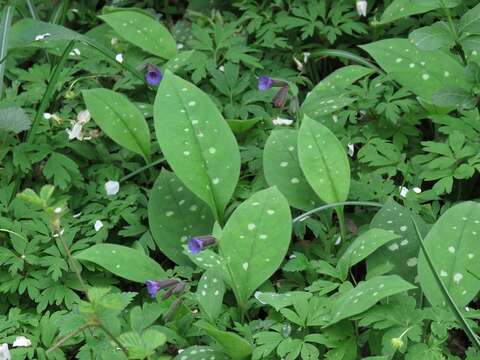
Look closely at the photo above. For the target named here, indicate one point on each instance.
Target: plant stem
(341, 222)
(346, 55)
(67, 337)
(4, 30)
(111, 336)
(143, 168)
(334, 205)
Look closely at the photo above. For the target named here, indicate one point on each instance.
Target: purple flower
(153, 287)
(153, 75)
(280, 97)
(264, 83)
(197, 244)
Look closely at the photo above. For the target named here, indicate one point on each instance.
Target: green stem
(67, 337)
(346, 55)
(341, 222)
(143, 168)
(306, 215)
(4, 30)
(115, 340)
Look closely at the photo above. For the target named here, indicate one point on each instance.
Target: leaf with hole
(175, 214)
(143, 31)
(324, 161)
(210, 291)
(452, 244)
(123, 261)
(282, 169)
(255, 240)
(196, 141)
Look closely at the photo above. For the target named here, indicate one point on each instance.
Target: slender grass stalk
(4, 31)
(60, 12)
(143, 168)
(448, 298)
(341, 222)
(306, 215)
(346, 55)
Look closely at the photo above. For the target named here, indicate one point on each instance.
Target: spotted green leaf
(433, 37)
(255, 240)
(279, 301)
(210, 291)
(453, 245)
(207, 259)
(365, 295)
(363, 246)
(400, 255)
(175, 214)
(403, 8)
(234, 346)
(323, 161)
(143, 31)
(123, 261)
(178, 62)
(327, 96)
(201, 353)
(282, 169)
(196, 141)
(422, 72)
(120, 119)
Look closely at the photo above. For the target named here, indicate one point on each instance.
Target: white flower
(114, 41)
(42, 36)
(351, 149)
(306, 55)
(112, 187)
(362, 7)
(58, 210)
(4, 352)
(74, 52)
(280, 121)
(75, 132)
(338, 241)
(83, 116)
(119, 58)
(221, 68)
(417, 190)
(47, 116)
(98, 225)
(298, 63)
(179, 46)
(403, 191)
(22, 341)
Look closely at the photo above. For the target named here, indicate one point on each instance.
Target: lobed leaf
(14, 119)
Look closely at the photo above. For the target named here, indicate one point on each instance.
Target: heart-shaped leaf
(196, 141)
(120, 119)
(175, 215)
(454, 249)
(255, 240)
(282, 169)
(123, 261)
(143, 31)
(323, 161)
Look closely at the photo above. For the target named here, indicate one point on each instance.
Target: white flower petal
(280, 121)
(83, 117)
(76, 132)
(22, 341)
(5, 353)
(403, 191)
(362, 7)
(119, 58)
(112, 187)
(47, 116)
(351, 149)
(417, 190)
(98, 225)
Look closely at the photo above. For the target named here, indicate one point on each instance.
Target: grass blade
(346, 55)
(4, 31)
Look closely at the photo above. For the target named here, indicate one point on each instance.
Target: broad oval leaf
(402, 8)
(200, 353)
(323, 161)
(123, 261)
(470, 21)
(196, 141)
(120, 119)
(143, 31)
(432, 37)
(175, 215)
(210, 291)
(14, 119)
(422, 72)
(280, 300)
(282, 169)
(365, 295)
(255, 240)
(453, 245)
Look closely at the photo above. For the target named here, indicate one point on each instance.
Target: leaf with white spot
(422, 72)
(255, 240)
(399, 256)
(282, 169)
(433, 37)
(123, 261)
(403, 8)
(178, 62)
(207, 259)
(200, 353)
(453, 245)
(210, 291)
(365, 295)
(175, 214)
(362, 247)
(196, 141)
(143, 31)
(279, 301)
(324, 161)
(235, 346)
(120, 119)
(327, 97)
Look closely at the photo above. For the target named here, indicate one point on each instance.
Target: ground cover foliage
(284, 179)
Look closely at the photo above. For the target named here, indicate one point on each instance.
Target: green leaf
(363, 246)
(400, 255)
(327, 96)
(403, 8)
(143, 31)
(175, 214)
(62, 170)
(422, 72)
(365, 295)
(279, 301)
(282, 169)
(14, 119)
(234, 346)
(323, 161)
(453, 247)
(200, 353)
(143, 345)
(433, 37)
(210, 291)
(242, 126)
(123, 261)
(196, 141)
(470, 21)
(120, 119)
(255, 240)
(5, 24)
(454, 97)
